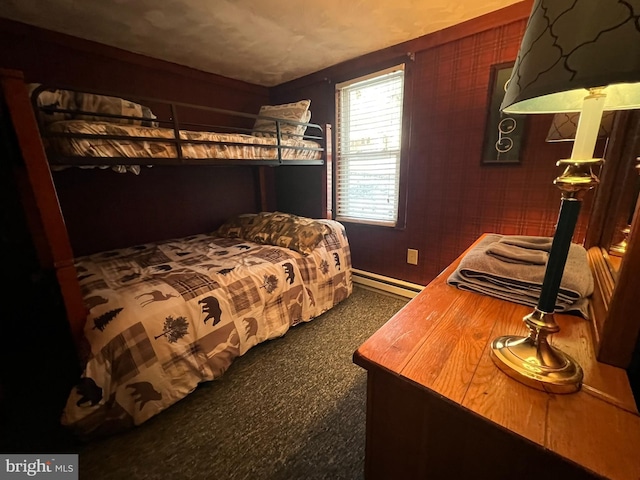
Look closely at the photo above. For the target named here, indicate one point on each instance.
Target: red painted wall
(451, 197)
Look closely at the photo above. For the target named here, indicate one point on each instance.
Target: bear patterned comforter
(167, 316)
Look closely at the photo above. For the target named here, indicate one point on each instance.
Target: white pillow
(298, 112)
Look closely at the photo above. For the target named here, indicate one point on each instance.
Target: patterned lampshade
(573, 45)
(565, 125)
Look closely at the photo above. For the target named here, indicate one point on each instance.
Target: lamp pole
(532, 360)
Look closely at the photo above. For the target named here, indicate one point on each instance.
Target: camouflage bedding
(167, 316)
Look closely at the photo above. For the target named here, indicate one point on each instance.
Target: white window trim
(397, 152)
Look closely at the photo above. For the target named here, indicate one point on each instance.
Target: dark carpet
(290, 408)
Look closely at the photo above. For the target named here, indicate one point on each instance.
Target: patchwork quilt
(167, 316)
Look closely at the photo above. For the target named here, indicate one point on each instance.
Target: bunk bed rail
(167, 136)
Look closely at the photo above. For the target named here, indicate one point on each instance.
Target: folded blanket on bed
(521, 282)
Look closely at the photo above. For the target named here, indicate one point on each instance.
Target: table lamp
(576, 56)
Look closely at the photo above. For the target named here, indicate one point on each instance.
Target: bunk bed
(89, 129)
(151, 321)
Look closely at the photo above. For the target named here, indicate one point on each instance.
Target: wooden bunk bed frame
(40, 199)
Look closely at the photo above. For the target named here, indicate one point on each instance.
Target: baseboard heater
(386, 284)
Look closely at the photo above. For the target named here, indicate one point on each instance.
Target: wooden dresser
(438, 408)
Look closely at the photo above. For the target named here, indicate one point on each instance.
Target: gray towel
(514, 254)
(521, 283)
(524, 241)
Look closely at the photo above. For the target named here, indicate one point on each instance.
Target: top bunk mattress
(95, 130)
(194, 145)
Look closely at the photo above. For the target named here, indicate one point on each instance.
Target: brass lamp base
(532, 361)
(519, 357)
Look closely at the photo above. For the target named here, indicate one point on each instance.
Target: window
(369, 134)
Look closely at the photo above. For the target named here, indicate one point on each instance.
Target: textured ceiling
(266, 42)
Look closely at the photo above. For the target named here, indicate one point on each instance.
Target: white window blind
(369, 134)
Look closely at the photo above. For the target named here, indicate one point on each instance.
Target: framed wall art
(503, 132)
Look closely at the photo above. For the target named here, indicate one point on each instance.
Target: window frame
(404, 142)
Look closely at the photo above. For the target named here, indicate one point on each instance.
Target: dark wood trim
(604, 284)
(621, 330)
(606, 192)
(32, 216)
(327, 177)
(35, 160)
(405, 151)
(44, 193)
(616, 298)
(263, 188)
(614, 196)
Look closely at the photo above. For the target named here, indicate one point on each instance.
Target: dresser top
(440, 341)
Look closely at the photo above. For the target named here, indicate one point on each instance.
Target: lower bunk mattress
(167, 316)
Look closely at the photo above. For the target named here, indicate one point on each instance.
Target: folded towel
(522, 283)
(514, 254)
(525, 241)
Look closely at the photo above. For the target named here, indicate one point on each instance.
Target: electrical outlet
(412, 256)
